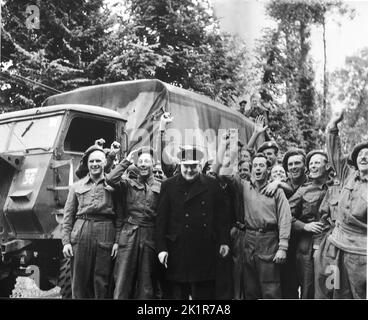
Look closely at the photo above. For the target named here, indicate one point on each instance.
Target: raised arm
(114, 177)
(168, 163)
(220, 153)
(259, 128)
(335, 156)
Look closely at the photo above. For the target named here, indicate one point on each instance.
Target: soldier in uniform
(306, 224)
(135, 266)
(270, 149)
(342, 255)
(191, 228)
(267, 221)
(294, 166)
(88, 230)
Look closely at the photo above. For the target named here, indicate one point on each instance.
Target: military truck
(40, 149)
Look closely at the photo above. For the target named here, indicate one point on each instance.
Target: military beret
(267, 145)
(289, 153)
(89, 151)
(189, 154)
(355, 152)
(312, 153)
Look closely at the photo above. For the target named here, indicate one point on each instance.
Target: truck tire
(64, 281)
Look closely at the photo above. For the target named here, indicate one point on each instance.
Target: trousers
(135, 271)
(305, 265)
(262, 274)
(238, 253)
(339, 274)
(91, 264)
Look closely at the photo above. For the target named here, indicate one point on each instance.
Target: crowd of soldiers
(243, 226)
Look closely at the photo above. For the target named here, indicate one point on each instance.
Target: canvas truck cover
(197, 119)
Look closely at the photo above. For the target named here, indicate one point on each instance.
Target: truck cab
(40, 150)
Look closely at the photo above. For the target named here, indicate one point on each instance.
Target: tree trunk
(325, 76)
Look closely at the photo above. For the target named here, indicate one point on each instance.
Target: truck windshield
(26, 134)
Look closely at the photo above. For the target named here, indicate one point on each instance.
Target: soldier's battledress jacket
(87, 198)
(349, 201)
(305, 203)
(140, 197)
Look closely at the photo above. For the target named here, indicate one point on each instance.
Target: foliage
(60, 54)
(178, 42)
(351, 91)
(288, 75)
(84, 42)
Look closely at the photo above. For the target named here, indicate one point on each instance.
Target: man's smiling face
(362, 160)
(259, 169)
(145, 165)
(96, 163)
(296, 167)
(317, 166)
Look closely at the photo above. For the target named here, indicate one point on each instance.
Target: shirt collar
(88, 179)
(254, 184)
(149, 181)
(303, 181)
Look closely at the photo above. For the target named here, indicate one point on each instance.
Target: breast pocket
(311, 203)
(83, 195)
(333, 203)
(107, 195)
(152, 199)
(360, 208)
(132, 196)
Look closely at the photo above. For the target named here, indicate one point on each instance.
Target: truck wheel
(64, 281)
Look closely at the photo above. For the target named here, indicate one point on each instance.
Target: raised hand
(259, 126)
(100, 142)
(131, 155)
(115, 147)
(164, 120)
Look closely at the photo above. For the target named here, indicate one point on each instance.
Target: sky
(247, 19)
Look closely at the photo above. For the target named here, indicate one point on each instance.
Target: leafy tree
(62, 54)
(288, 75)
(84, 42)
(351, 91)
(180, 43)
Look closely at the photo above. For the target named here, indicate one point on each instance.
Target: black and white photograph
(201, 151)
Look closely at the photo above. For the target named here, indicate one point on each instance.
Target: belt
(263, 230)
(96, 217)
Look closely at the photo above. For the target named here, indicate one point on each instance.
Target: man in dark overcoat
(191, 222)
